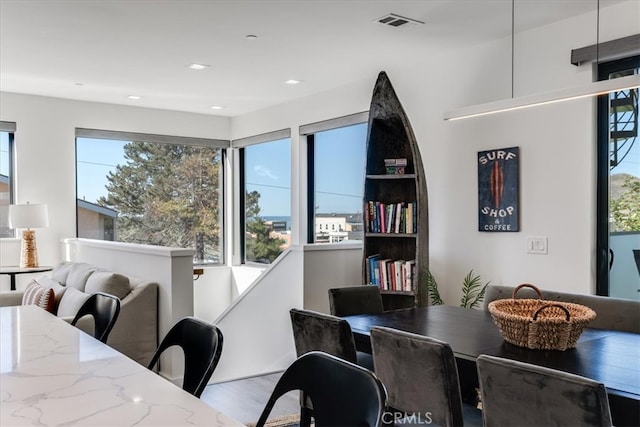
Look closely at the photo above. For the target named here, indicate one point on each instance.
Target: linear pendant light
(593, 89)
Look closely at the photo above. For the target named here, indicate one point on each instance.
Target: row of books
(382, 217)
(390, 275)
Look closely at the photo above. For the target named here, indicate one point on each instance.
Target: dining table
(608, 356)
(52, 373)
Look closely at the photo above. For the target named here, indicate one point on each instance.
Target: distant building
(337, 227)
(96, 222)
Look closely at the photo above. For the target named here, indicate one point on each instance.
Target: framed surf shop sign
(498, 188)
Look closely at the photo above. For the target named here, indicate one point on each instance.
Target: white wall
(45, 150)
(557, 143)
(330, 266)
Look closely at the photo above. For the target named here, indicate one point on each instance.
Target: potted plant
(472, 290)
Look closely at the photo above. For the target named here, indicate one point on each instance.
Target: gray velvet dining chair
(361, 299)
(521, 394)
(421, 378)
(314, 331)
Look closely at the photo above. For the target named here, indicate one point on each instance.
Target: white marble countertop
(51, 373)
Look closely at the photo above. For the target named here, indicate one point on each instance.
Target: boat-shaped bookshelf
(396, 239)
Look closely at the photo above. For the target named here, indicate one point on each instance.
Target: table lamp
(28, 216)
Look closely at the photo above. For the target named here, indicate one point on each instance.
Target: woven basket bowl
(538, 323)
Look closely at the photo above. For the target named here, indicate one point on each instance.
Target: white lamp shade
(28, 216)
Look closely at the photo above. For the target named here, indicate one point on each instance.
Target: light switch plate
(537, 245)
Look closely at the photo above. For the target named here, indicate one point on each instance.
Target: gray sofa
(135, 333)
(611, 313)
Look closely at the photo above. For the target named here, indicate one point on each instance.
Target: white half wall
(330, 266)
(256, 328)
(171, 268)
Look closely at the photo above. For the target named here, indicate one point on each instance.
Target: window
(336, 167)
(7, 130)
(265, 164)
(618, 214)
(151, 189)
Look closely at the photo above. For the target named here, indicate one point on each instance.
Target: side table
(13, 270)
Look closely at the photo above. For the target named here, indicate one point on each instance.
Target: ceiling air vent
(398, 21)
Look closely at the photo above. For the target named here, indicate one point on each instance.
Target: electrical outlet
(537, 245)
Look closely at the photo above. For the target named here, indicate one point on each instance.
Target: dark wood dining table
(611, 357)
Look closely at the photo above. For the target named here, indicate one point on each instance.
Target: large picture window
(266, 186)
(618, 235)
(336, 169)
(6, 173)
(151, 189)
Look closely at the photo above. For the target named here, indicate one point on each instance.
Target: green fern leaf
(432, 288)
(472, 291)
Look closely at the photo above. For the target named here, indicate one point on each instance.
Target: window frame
(10, 129)
(240, 145)
(604, 69)
(308, 131)
(221, 144)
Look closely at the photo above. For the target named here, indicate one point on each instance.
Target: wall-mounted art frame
(498, 190)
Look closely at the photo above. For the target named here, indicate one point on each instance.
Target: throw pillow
(58, 289)
(37, 294)
(109, 283)
(71, 302)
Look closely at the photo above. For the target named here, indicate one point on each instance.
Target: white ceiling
(100, 50)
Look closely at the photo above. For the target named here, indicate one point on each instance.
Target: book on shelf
(380, 217)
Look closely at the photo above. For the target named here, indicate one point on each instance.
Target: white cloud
(265, 172)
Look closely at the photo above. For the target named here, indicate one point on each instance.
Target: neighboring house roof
(97, 208)
(4, 179)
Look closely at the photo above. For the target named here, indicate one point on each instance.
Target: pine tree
(260, 246)
(168, 195)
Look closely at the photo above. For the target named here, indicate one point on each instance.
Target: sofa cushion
(79, 274)
(61, 272)
(38, 295)
(108, 282)
(58, 289)
(71, 302)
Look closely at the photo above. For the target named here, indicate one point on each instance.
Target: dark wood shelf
(393, 176)
(390, 137)
(388, 235)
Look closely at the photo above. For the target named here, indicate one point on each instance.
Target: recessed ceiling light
(293, 82)
(134, 97)
(251, 37)
(216, 107)
(195, 66)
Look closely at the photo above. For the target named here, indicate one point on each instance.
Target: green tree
(260, 246)
(625, 210)
(168, 195)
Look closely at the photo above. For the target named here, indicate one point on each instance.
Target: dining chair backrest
(104, 309)
(201, 343)
(343, 393)
(420, 376)
(517, 394)
(362, 299)
(313, 331)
